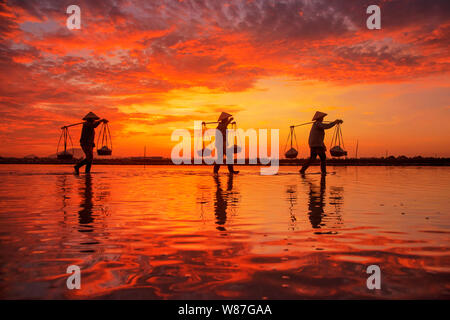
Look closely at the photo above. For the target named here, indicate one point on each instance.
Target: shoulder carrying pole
(304, 124)
(71, 125)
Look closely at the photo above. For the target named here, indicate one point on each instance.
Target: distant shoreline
(389, 161)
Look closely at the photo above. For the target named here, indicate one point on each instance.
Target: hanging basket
(235, 149)
(337, 151)
(337, 143)
(206, 152)
(104, 151)
(237, 146)
(104, 143)
(64, 154)
(292, 153)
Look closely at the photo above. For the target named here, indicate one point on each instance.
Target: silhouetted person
(85, 218)
(224, 120)
(316, 141)
(316, 203)
(221, 202)
(87, 141)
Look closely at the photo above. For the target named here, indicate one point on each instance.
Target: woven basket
(291, 153)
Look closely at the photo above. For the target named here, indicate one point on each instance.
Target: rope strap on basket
(105, 137)
(204, 128)
(337, 139)
(291, 136)
(236, 135)
(66, 139)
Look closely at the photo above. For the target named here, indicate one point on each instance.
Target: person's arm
(329, 125)
(96, 123)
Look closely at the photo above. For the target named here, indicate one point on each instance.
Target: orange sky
(154, 66)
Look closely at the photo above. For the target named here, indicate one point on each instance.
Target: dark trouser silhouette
(89, 152)
(217, 167)
(230, 166)
(316, 151)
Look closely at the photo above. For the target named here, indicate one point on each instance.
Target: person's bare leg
(216, 168)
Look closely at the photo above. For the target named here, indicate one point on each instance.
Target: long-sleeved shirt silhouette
(88, 133)
(317, 133)
(222, 127)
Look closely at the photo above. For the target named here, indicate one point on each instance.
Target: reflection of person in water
(292, 199)
(221, 202)
(85, 214)
(316, 203)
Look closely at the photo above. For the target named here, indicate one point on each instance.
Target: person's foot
(302, 171)
(77, 170)
(235, 172)
(324, 173)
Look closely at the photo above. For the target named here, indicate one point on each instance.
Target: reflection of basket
(291, 153)
(337, 151)
(64, 155)
(104, 151)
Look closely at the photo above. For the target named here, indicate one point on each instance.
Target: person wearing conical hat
(316, 141)
(87, 140)
(224, 120)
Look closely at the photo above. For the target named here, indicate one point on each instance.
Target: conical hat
(319, 115)
(223, 116)
(91, 115)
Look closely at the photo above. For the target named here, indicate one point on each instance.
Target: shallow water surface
(170, 232)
